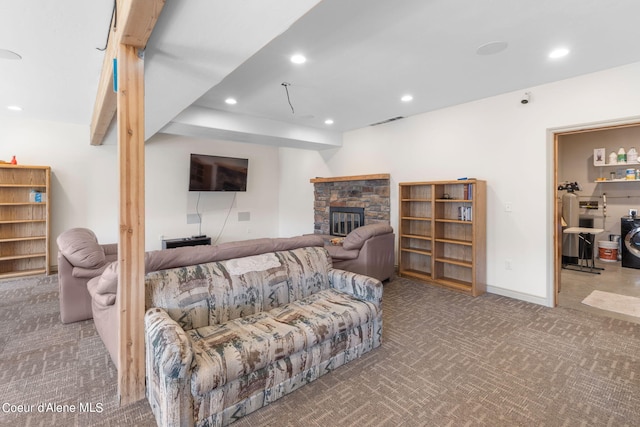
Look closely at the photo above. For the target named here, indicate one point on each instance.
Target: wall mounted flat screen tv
(217, 173)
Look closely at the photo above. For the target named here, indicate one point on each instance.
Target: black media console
(186, 241)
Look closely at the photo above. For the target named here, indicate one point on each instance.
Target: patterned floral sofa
(226, 338)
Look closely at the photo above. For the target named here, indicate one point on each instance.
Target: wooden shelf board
(10, 166)
(455, 200)
(416, 236)
(455, 241)
(22, 256)
(32, 185)
(453, 221)
(23, 203)
(455, 284)
(22, 273)
(22, 221)
(417, 251)
(417, 218)
(21, 239)
(452, 261)
(417, 200)
(415, 274)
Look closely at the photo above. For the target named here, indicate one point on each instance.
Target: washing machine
(630, 235)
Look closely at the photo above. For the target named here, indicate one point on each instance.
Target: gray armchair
(80, 258)
(367, 250)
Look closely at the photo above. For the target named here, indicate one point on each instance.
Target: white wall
(168, 202)
(497, 139)
(83, 177)
(85, 183)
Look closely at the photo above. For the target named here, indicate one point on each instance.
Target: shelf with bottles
(604, 181)
(619, 158)
(621, 175)
(635, 164)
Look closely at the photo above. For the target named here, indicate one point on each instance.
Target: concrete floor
(576, 285)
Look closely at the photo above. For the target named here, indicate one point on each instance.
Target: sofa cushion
(239, 347)
(80, 246)
(356, 239)
(206, 294)
(88, 273)
(103, 288)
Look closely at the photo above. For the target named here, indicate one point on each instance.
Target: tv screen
(217, 173)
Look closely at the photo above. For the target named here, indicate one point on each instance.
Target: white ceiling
(363, 55)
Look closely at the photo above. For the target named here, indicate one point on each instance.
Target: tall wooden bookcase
(24, 220)
(442, 233)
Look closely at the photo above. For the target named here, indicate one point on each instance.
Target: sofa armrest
(167, 344)
(358, 285)
(110, 248)
(338, 252)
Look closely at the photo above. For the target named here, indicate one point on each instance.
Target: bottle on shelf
(14, 161)
(622, 156)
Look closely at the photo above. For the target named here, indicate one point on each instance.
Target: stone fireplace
(344, 203)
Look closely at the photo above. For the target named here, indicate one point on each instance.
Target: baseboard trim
(518, 295)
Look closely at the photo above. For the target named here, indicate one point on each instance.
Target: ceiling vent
(393, 119)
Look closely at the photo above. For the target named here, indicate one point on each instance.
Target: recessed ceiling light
(231, 101)
(14, 108)
(328, 122)
(7, 54)
(559, 53)
(491, 48)
(298, 59)
(406, 98)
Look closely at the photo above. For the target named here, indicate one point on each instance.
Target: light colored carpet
(613, 302)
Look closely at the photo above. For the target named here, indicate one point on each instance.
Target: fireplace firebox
(343, 220)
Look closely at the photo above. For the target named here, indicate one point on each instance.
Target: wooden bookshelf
(442, 233)
(24, 220)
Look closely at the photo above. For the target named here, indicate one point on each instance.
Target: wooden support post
(130, 298)
(136, 20)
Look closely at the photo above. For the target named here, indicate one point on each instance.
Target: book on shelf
(468, 191)
(465, 213)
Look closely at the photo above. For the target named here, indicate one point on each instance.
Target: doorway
(602, 200)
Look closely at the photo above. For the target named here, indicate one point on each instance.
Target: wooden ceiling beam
(132, 26)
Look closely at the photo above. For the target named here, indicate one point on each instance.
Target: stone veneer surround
(370, 192)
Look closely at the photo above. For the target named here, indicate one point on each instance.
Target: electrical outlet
(508, 207)
(193, 219)
(508, 264)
